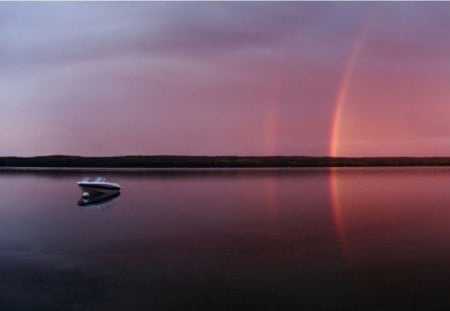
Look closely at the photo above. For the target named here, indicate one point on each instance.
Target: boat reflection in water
(98, 201)
(98, 193)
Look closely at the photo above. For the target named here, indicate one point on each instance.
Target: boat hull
(93, 188)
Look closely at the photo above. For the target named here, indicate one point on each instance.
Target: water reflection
(393, 228)
(228, 240)
(98, 201)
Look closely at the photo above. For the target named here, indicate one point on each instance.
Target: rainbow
(344, 87)
(336, 129)
(271, 131)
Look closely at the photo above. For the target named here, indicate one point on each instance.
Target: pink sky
(224, 78)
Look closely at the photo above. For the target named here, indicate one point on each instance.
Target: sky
(225, 78)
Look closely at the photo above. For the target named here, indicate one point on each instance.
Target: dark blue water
(271, 239)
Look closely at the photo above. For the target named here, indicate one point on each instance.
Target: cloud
(50, 33)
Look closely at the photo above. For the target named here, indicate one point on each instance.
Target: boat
(98, 186)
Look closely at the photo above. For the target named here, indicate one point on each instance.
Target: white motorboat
(98, 186)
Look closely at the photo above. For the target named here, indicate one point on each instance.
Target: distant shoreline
(60, 161)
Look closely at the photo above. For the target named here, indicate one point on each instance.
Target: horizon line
(224, 155)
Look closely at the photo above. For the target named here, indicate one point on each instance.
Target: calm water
(273, 239)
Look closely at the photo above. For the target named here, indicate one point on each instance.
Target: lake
(227, 239)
